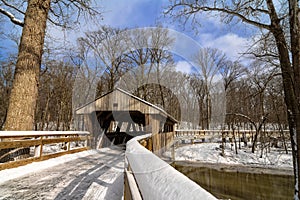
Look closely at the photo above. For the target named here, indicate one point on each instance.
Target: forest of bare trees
(263, 93)
(254, 90)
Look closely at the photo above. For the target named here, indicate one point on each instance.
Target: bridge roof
(121, 100)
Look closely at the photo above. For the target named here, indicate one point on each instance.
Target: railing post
(173, 151)
(69, 144)
(38, 150)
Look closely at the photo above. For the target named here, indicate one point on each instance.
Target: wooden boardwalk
(97, 176)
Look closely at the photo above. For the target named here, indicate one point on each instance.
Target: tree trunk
(254, 140)
(234, 138)
(289, 80)
(24, 93)
(294, 108)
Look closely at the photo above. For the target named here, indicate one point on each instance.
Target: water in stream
(238, 185)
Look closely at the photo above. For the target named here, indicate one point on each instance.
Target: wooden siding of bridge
(119, 101)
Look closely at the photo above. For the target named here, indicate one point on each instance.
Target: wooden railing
(200, 134)
(146, 175)
(36, 143)
(131, 189)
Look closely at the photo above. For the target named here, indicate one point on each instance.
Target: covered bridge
(122, 116)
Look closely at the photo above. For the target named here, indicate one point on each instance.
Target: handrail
(32, 143)
(5, 134)
(181, 133)
(156, 179)
(131, 190)
(220, 130)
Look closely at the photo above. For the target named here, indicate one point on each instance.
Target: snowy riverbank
(211, 153)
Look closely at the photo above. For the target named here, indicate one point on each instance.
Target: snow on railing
(156, 179)
(22, 147)
(4, 134)
(219, 132)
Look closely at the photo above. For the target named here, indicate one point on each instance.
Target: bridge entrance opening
(122, 116)
(121, 126)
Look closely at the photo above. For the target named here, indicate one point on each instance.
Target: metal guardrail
(12, 141)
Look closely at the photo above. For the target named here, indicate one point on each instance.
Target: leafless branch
(13, 7)
(12, 18)
(188, 9)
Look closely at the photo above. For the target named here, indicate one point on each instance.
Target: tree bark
(23, 98)
(290, 85)
(294, 109)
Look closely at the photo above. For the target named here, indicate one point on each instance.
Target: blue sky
(133, 13)
(212, 33)
(7, 46)
(148, 13)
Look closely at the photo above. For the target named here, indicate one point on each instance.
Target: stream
(238, 184)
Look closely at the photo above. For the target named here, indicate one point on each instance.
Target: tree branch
(12, 17)
(236, 14)
(192, 9)
(13, 7)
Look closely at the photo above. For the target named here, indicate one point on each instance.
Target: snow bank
(210, 153)
(157, 179)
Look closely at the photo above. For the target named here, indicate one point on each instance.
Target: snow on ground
(211, 153)
(94, 174)
(17, 172)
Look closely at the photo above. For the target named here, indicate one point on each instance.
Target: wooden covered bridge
(123, 116)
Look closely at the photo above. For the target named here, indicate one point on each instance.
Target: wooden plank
(18, 163)
(131, 190)
(59, 140)
(54, 155)
(10, 134)
(34, 142)
(19, 143)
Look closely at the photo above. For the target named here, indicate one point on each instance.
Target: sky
(212, 33)
(148, 13)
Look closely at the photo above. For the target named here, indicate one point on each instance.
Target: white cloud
(231, 44)
(184, 67)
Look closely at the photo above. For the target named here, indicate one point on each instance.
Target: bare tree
(209, 62)
(142, 58)
(274, 19)
(150, 63)
(107, 49)
(231, 71)
(198, 85)
(276, 102)
(54, 109)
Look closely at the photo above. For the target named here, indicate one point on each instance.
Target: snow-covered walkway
(94, 174)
